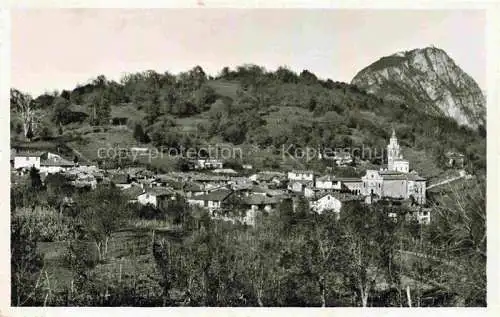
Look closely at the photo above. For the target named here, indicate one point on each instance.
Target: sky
(60, 48)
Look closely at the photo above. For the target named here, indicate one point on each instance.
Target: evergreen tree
(29, 134)
(139, 133)
(35, 180)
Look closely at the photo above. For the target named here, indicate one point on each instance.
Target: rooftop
(160, 191)
(56, 162)
(29, 154)
(259, 200)
(216, 195)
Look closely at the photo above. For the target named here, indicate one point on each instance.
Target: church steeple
(393, 133)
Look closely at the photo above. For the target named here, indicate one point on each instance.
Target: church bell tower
(393, 151)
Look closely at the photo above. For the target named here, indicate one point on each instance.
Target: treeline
(291, 257)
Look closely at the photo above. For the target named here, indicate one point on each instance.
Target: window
(206, 203)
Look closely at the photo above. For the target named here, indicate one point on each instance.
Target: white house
(424, 216)
(326, 203)
(301, 176)
(208, 164)
(28, 159)
(299, 186)
(55, 164)
(157, 197)
(342, 158)
(328, 182)
(212, 200)
(256, 203)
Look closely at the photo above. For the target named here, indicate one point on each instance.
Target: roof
(327, 178)
(119, 179)
(259, 200)
(133, 192)
(193, 187)
(56, 162)
(202, 177)
(216, 195)
(454, 154)
(401, 160)
(160, 191)
(394, 177)
(30, 154)
(415, 177)
(348, 179)
(224, 171)
(387, 172)
(302, 172)
(342, 155)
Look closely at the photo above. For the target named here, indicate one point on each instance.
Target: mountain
(428, 79)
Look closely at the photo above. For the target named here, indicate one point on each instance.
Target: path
(463, 174)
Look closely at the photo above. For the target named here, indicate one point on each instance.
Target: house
(157, 197)
(55, 164)
(257, 203)
(247, 166)
(299, 186)
(351, 184)
(212, 200)
(193, 189)
(342, 158)
(26, 160)
(327, 202)
(454, 159)
(424, 216)
(133, 192)
(121, 180)
(328, 182)
(207, 164)
(301, 176)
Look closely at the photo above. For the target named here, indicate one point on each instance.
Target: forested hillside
(244, 106)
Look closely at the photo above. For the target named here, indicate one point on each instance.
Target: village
(211, 186)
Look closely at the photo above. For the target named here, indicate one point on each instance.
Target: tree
(25, 106)
(35, 180)
(29, 134)
(102, 212)
(367, 237)
(61, 111)
(45, 133)
(139, 134)
(459, 227)
(26, 265)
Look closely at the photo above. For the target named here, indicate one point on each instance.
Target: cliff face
(426, 78)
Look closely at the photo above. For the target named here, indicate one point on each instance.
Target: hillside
(427, 78)
(248, 107)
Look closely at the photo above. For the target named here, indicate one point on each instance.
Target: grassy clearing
(225, 88)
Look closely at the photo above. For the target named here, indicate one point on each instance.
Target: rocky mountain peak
(426, 78)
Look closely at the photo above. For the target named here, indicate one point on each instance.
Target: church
(396, 181)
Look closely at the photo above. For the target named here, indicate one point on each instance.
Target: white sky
(58, 48)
